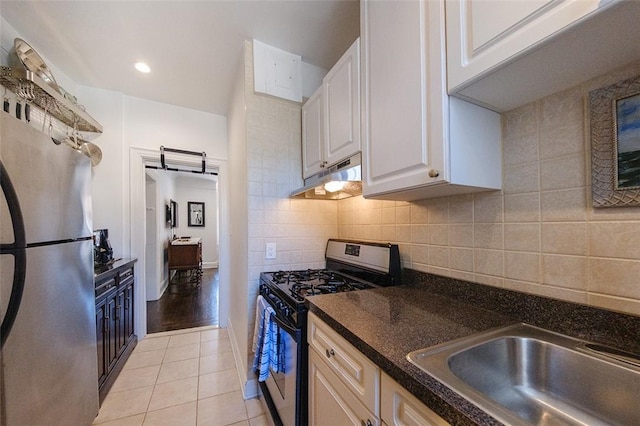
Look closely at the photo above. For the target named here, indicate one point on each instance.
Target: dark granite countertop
(387, 323)
(103, 271)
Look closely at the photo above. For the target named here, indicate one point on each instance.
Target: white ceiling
(193, 47)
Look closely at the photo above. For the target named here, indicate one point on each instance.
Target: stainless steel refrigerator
(49, 370)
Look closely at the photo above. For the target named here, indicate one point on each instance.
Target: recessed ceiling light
(142, 67)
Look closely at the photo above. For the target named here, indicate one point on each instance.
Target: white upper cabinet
(505, 53)
(331, 117)
(483, 34)
(312, 135)
(417, 142)
(341, 95)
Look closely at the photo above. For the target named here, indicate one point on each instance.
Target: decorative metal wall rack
(29, 87)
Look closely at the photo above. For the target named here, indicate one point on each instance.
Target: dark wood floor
(184, 306)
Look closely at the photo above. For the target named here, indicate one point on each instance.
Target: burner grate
(311, 282)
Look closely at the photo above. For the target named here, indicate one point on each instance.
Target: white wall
(156, 255)
(238, 231)
(109, 188)
(311, 78)
(151, 266)
(149, 124)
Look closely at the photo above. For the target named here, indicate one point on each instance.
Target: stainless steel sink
(524, 375)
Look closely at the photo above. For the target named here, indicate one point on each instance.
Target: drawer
(356, 371)
(103, 287)
(126, 275)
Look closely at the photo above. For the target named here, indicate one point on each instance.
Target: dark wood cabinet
(102, 335)
(115, 316)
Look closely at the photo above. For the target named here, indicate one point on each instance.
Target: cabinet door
(403, 96)
(121, 338)
(112, 330)
(330, 401)
(312, 135)
(102, 336)
(356, 371)
(482, 35)
(341, 99)
(128, 310)
(400, 408)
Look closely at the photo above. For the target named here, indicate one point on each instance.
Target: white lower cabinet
(330, 401)
(358, 373)
(400, 408)
(345, 387)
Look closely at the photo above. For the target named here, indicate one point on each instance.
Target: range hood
(342, 180)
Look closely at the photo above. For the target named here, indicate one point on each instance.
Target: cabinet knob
(434, 173)
(330, 353)
(367, 423)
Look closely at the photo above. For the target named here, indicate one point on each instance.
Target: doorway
(139, 158)
(179, 299)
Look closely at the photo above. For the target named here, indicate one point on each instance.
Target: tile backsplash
(540, 234)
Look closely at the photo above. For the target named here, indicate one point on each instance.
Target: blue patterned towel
(267, 342)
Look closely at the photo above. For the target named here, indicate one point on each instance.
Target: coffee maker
(102, 251)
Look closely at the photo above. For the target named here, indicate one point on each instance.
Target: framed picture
(615, 144)
(196, 213)
(172, 214)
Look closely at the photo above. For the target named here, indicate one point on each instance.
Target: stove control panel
(374, 256)
(352, 250)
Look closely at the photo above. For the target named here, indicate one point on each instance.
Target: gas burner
(285, 277)
(323, 282)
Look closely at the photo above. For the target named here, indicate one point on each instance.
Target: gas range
(350, 266)
(310, 282)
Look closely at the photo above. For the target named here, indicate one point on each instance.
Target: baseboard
(251, 389)
(249, 385)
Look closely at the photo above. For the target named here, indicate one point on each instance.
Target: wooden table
(185, 256)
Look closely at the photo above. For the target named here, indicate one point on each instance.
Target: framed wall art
(172, 214)
(615, 144)
(196, 213)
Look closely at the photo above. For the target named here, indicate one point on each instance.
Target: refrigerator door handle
(18, 250)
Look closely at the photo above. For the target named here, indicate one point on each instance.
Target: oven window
(279, 378)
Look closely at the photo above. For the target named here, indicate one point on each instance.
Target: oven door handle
(289, 329)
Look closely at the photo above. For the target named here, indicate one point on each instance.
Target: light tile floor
(180, 378)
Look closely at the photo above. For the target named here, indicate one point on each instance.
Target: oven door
(282, 385)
